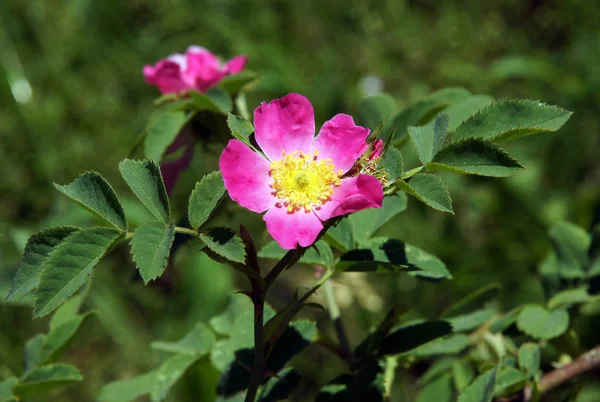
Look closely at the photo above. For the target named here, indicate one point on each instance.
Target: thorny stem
(588, 361)
(258, 299)
(334, 313)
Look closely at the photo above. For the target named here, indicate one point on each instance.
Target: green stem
(259, 348)
(191, 232)
(334, 313)
(388, 377)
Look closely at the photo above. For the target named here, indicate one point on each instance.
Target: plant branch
(258, 369)
(191, 232)
(588, 361)
(334, 313)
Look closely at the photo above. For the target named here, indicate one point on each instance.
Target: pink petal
(235, 65)
(203, 69)
(376, 149)
(246, 176)
(342, 141)
(354, 194)
(166, 75)
(285, 124)
(292, 228)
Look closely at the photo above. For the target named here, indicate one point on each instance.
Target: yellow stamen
(300, 181)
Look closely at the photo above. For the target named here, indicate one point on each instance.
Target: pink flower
(301, 181)
(376, 149)
(198, 69)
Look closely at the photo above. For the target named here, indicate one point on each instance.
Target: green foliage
(59, 337)
(367, 222)
(46, 378)
(162, 131)
(93, 192)
(439, 389)
(238, 82)
(128, 390)
(318, 254)
(279, 388)
(198, 341)
(509, 119)
(150, 248)
(570, 244)
(240, 128)
(409, 337)
(529, 358)
(475, 156)
(392, 163)
(540, 323)
(509, 380)
(214, 100)
(70, 265)
(6, 387)
(224, 244)
(430, 190)
(205, 197)
(465, 108)
(429, 139)
(372, 110)
(169, 373)
(38, 249)
(482, 389)
(145, 180)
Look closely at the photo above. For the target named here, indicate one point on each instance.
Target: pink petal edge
(290, 229)
(354, 194)
(235, 65)
(246, 177)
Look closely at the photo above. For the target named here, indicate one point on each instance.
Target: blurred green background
(72, 98)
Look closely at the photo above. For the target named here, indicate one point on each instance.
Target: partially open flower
(198, 69)
(303, 180)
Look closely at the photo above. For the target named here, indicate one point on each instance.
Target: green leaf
(570, 244)
(240, 128)
(409, 337)
(476, 156)
(214, 100)
(33, 351)
(473, 301)
(462, 374)
(509, 381)
(169, 373)
(70, 265)
(150, 247)
(280, 387)
(69, 309)
(6, 387)
(225, 243)
(392, 163)
(430, 267)
(540, 323)
(470, 321)
(461, 111)
(439, 367)
(59, 338)
(321, 256)
(128, 390)
(568, 297)
(38, 249)
(438, 390)
(93, 192)
(507, 320)
(429, 189)
(162, 132)
(47, 378)
(205, 197)
(429, 139)
(529, 358)
(451, 345)
(198, 341)
(368, 221)
(237, 82)
(340, 236)
(374, 109)
(511, 119)
(482, 389)
(145, 180)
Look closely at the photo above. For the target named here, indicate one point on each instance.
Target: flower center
(303, 182)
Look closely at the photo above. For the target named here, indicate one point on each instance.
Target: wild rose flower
(301, 183)
(198, 69)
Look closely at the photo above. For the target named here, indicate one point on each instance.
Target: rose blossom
(198, 69)
(301, 181)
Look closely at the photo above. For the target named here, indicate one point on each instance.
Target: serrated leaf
(569, 297)
(570, 243)
(240, 128)
(321, 256)
(6, 387)
(430, 190)
(429, 139)
(169, 373)
(70, 265)
(205, 197)
(409, 337)
(46, 378)
(529, 358)
(150, 247)
(128, 390)
(237, 82)
(145, 180)
(225, 243)
(540, 323)
(438, 390)
(511, 119)
(38, 249)
(59, 338)
(198, 342)
(508, 381)
(368, 221)
(392, 163)
(430, 267)
(92, 191)
(482, 389)
(453, 344)
(214, 100)
(473, 301)
(162, 132)
(476, 156)
(461, 111)
(372, 110)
